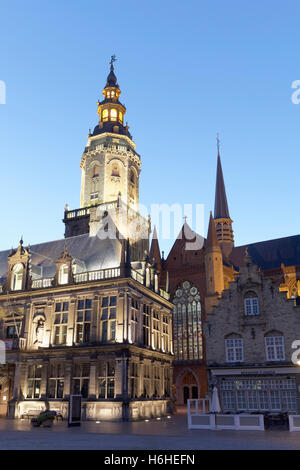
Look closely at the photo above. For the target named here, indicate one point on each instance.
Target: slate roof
(270, 254)
(91, 254)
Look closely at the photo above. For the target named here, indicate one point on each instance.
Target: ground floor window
(34, 381)
(56, 381)
(81, 379)
(259, 394)
(106, 380)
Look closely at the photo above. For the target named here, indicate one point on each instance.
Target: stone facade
(249, 345)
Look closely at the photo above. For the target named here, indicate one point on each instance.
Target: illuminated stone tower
(110, 165)
(110, 170)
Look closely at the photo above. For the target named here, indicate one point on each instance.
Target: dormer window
(112, 94)
(121, 117)
(63, 276)
(251, 304)
(17, 277)
(108, 95)
(113, 114)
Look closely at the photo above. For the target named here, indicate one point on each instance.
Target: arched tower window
(17, 277)
(132, 177)
(96, 171)
(115, 170)
(63, 274)
(187, 322)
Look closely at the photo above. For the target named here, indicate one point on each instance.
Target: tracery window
(188, 343)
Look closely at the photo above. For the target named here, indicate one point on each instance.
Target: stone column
(93, 380)
(71, 322)
(94, 319)
(44, 380)
(67, 379)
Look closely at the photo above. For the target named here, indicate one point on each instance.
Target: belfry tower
(222, 218)
(110, 170)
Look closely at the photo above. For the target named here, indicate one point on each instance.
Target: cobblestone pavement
(161, 434)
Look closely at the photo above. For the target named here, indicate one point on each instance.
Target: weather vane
(218, 142)
(113, 59)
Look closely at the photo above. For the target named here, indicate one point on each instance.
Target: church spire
(221, 205)
(222, 218)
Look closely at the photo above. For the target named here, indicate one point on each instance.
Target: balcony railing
(42, 283)
(97, 275)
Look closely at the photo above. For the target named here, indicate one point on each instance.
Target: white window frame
(251, 306)
(238, 344)
(272, 346)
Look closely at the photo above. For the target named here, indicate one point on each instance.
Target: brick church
(199, 277)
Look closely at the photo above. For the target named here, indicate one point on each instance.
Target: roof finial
(218, 143)
(21, 241)
(112, 60)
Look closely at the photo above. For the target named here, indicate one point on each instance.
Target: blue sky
(187, 70)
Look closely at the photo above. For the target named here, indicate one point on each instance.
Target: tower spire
(222, 218)
(221, 205)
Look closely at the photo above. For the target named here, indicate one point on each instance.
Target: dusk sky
(187, 70)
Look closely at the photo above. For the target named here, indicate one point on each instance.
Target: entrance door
(195, 392)
(186, 394)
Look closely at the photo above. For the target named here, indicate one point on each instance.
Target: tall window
(134, 316)
(146, 325)
(167, 384)
(188, 343)
(133, 379)
(107, 380)
(81, 377)
(56, 381)
(63, 274)
(165, 333)
(115, 170)
(275, 348)
(17, 277)
(234, 349)
(34, 381)
(157, 379)
(156, 330)
(147, 381)
(108, 319)
(83, 326)
(251, 304)
(61, 323)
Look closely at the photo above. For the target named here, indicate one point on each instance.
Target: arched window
(96, 171)
(115, 170)
(251, 304)
(234, 348)
(63, 275)
(17, 277)
(132, 177)
(187, 322)
(274, 343)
